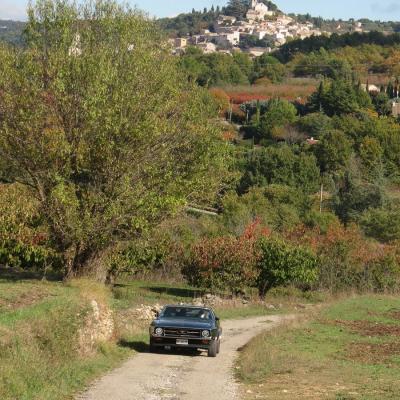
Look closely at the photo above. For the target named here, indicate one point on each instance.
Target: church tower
(254, 4)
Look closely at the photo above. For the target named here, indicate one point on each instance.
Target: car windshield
(186, 312)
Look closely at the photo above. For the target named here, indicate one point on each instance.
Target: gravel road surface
(182, 376)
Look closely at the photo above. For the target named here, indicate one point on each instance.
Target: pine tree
(237, 8)
(390, 90)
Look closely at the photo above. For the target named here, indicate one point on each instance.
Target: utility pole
(321, 197)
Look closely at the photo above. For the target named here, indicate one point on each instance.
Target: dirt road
(182, 376)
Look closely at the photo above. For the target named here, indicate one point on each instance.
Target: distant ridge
(11, 31)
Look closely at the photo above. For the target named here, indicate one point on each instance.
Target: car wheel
(218, 346)
(152, 348)
(212, 350)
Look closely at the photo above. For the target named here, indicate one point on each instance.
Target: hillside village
(260, 23)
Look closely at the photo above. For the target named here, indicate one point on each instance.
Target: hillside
(11, 31)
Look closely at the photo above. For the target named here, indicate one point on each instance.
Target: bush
(224, 263)
(221, 99)
(383, 274)
(283, 264)
(382, 224)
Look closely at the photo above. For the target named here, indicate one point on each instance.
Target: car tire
(212, 350)
(152, 348)
(218, 346)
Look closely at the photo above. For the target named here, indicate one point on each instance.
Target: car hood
(183, 323)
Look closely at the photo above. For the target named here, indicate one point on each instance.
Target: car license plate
(182, 341)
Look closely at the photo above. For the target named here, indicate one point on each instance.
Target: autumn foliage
(347, 259)
(227, 262)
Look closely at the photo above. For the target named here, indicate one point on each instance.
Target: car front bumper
(160, 341)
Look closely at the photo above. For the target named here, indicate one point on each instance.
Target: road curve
(182, 376)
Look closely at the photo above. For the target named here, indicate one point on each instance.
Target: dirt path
(182, 376)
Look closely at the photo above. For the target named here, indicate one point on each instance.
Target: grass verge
(39, 358)
(348, 351)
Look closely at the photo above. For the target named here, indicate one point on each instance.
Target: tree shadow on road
(19, 275)
(138, 346)
(175, 291)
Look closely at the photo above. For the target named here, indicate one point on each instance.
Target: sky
(373, 9)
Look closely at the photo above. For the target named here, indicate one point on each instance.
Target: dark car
(184, 326)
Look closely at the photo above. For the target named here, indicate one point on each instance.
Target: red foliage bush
(348, 260)
(225, 263)
(244, 97)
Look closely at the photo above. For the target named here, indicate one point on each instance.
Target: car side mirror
(217, 318)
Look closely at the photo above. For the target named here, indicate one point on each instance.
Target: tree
(237, 8)
(24, 240)
(333, 151)
(280, 113)
(355, 196)
(315, 124)
(382, 223)
(283, 264)
(280, 165)
(340, 99)
(100, 125)
(382, 104)
(371, 154)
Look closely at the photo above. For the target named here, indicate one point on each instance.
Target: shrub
(383, 274)
(282, 264)
(382, 224)
(221, 99)
(225, 263)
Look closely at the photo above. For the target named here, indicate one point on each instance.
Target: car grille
(185, 333)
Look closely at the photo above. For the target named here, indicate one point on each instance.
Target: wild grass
(350, 350)
(38, 347)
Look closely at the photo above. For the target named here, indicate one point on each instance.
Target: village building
(181, 42)
(258, 11)
(228, 39)
(396, 108)
(260, 22)
(370, 88)
(207, 47)
(257, 51)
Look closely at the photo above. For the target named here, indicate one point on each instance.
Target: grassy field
(348, 351)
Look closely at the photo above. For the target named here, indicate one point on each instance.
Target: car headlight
(205, 333)
(158, 331)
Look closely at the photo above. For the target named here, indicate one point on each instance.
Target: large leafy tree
(98, 122)
(237, 8)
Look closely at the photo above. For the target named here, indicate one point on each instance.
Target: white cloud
(10, 10)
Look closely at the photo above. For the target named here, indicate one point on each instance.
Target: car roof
(187, 306)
